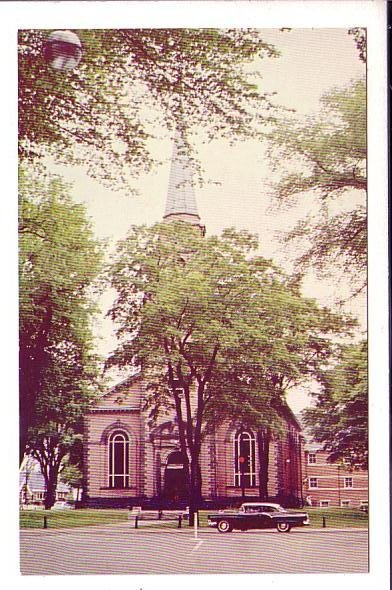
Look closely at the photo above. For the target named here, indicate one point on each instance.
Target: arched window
(244, 460)
(118, 460)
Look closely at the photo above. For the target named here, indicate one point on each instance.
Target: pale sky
(312, 62)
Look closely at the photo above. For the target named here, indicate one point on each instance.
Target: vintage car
(252, 515)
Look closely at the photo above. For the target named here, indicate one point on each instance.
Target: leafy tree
(129, 81)
(339, 418)
(216, 332)
(72, 475)
(59, 262)
(359, 35)
(328, 160)
(58, 419)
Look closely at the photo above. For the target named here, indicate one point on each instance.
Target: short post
(324, 522)
(195, 522)
(136, 521)
(242, 474)
(160, 515)
(179, 521)
(45, 522)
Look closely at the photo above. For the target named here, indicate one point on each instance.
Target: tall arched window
(244, 459)
(118, 460)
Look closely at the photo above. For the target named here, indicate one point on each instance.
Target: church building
(128, 463)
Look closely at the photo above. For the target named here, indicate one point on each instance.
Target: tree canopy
(104, 112)
(360, 40)
(339, 418)
(327, 158)
(59, 262)
(215, 331)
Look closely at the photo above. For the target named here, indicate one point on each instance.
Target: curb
(125, 527)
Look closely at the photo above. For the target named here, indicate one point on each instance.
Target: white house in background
(32, 489)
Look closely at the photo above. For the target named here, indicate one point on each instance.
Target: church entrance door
(175, 481)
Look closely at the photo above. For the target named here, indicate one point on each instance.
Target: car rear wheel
(283, 527)
(224, 526)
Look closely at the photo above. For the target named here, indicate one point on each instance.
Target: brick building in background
(332, 484)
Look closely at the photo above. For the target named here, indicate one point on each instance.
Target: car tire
(224, 526)
(283, 527)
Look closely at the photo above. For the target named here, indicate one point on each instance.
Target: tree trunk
(50, 496)
(50, 467)
(196, 478)
(263, 444)
(195, 496)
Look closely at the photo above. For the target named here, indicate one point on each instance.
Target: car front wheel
(283, 527)
(224, 526)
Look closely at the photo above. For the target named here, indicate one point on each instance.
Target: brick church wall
(120, 409)
(97, 452)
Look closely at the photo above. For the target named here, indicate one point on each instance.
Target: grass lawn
(337, 517)
(334, 518)
(59, 519)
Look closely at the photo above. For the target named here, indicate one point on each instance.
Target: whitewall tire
(224, 526)
(283, 527)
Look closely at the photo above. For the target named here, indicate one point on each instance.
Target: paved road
(123, 550)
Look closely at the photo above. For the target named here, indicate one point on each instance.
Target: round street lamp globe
(63, 50)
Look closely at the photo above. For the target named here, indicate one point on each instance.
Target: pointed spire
(181, 199)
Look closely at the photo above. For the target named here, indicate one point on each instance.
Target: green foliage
(217, 333)
(59, 262)
(71, 475)
(201, 293)
(359, 35)
(328, 160)
(339, 239)
(339, 418)
(130, 81)
(332, 148)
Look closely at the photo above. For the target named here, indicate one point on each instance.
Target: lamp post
(63, 50)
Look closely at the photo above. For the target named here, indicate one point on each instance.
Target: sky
(237, 189)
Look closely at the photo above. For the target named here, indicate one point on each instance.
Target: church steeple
(181, 199)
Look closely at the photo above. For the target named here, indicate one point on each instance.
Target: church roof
(286, 412)
(181, 197)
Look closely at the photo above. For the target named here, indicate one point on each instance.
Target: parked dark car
(254, 515)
